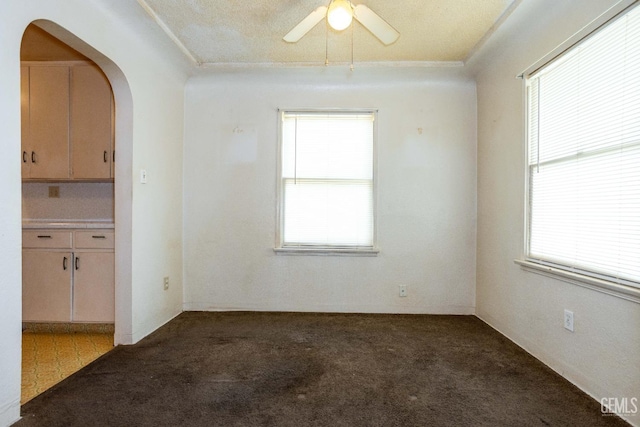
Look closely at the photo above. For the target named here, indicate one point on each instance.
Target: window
(327, 181)
(584, 156)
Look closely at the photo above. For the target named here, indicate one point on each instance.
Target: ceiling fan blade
(376, 25)
(306, 25)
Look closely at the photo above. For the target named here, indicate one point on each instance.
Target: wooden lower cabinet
(46, 286)
(68, 276)
(93, 294)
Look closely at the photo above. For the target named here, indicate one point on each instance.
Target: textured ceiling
(230, 32)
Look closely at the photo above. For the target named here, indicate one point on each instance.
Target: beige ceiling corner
(223, 33)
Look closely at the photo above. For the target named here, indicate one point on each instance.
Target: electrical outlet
(143, 176)
(402, 290)
(568, 320)
(54, 191)
(166, 283)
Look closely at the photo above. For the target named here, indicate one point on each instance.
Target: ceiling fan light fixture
(340, 14)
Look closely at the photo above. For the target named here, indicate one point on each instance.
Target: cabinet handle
(105, 157)
(24, 157)
(77, 263)
(33, 157)
(64, 263)
(44, 237)
(114, 156)
(99, 237)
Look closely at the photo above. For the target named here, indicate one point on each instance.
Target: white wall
(426, 193)
(601, 356)
(152, 229)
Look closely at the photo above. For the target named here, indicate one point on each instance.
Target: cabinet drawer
(46, 239)
(93, 239)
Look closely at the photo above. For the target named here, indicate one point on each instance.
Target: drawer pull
(64, 263)
(33, 157)
(105, 157)
(44, 237)
(24, 157)
(77, 263)
(98, 237)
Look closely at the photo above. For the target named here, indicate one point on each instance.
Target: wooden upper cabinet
(67, 122)
(24, 111)
(49, 122)
(91, 136)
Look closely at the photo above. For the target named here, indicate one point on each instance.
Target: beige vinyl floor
(52, 352)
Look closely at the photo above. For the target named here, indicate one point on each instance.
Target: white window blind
(327, 179)
(584, 155)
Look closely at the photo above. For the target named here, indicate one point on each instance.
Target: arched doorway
(123, 118)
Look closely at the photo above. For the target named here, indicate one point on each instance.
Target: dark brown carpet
(286, 369)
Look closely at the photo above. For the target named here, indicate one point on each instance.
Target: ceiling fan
(339, 15)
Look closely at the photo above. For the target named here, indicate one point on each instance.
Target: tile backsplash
(76, 201)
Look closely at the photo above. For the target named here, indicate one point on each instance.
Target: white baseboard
(364, 309)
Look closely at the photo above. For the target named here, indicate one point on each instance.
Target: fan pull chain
(326, 39)
(352, 25)
(295, 154)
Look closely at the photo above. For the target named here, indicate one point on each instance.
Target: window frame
(280, 248)
(590, 279)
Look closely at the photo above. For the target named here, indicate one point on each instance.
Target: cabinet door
(46, 286)
(113, 136)
(49, 121)
(24, 119)
(94, 287)
(90, 123)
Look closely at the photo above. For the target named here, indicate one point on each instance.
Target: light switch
(143, 176)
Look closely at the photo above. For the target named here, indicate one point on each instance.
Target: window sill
(327, 252)
(629, 293)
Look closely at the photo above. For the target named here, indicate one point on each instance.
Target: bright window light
(327, 180)
(584, 156)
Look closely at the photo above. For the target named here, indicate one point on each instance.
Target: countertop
(30, 224)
